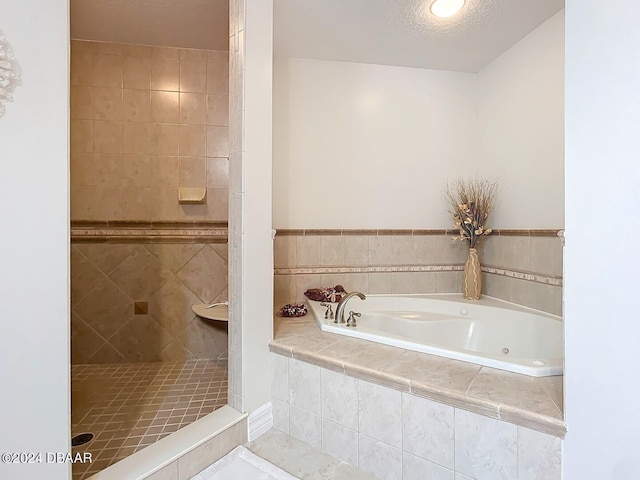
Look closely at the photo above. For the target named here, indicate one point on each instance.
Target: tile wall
(237, 246)
(523, 267)
(145, 121)
(166, 279)
(396, 435)
(196, 460)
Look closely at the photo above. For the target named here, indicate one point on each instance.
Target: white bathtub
(487, 332)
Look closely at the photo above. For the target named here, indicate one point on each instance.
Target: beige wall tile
(547, 298)
(495, 286)
(107, 48)
(401, 249)
(379, 283)
(218, 77)
(165, 107)
(141, 339)
(170, 472)
(82, 203)
(218, 204)
(84, 341)
(165, 73)
(166, 206)
(519, 291)
(448, 282)
(356, 250)
(165, 171)
(108, 71)
(193, 141)
(107, 354)
(218, 110)
(81, 169)
(105, 257)
(305, 282)
(107, 136)
(84, 276)
(165, 52)
(332, 250)
(198, 459)
(402, 282)
(193, 55)
(332, 279)
(107, 169)
(424, 282)
(193, 76)
(81, 135)
(380, 248)
(136, 105)
(309, 250)
(174, 256)
(165, 139)
(140, 275)
(105, 309)
(425, 250)
(218, 56)
(107, 103)
(136, 72)
(193, 108)
(356, 282)
(217, 141)
(136, 138)
(138, 51)
(546, 255)
(218, 173)
(81, 46)
(82, 67)
(81, 102)
(449, 251)
(233, 436)
(284, 288)
(205, 274)
(204, 338)
(136, 170)
(193, 172)
(284, 254)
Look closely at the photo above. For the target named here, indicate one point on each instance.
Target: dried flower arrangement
(470, 202)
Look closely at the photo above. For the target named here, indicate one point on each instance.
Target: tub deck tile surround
(535, 403)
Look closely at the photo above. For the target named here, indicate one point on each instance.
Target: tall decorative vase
(472, 279)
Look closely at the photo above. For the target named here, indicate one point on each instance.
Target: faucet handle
(328, 312)
(351, 321)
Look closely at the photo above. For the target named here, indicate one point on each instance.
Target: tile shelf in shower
(219, 312)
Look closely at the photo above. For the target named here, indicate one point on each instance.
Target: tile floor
(128, 406)
(302, 460)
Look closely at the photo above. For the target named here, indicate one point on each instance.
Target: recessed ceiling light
(446, 8)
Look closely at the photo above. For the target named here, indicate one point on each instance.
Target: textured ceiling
(403, 32)
(168, 23)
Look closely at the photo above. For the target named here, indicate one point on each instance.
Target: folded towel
(327, 294)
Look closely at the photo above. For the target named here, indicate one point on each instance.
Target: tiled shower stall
(145, 122)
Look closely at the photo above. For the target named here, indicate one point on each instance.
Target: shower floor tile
(127, 406)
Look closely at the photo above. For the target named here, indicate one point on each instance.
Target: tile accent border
(529, 276)
(148, 232)
(503, 232)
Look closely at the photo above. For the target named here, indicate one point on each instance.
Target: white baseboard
(260, 421)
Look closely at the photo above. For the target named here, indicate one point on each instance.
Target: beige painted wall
(144, 122)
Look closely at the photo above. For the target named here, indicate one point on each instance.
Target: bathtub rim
(554, 366)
